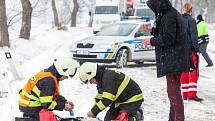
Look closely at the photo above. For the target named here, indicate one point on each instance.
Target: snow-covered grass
(30, 56)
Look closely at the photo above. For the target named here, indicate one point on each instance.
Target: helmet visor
(73, 74)
(86, 82)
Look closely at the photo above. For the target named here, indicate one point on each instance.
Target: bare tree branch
(10, 19)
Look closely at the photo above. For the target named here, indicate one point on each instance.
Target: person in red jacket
(189, 79)
(42, 90)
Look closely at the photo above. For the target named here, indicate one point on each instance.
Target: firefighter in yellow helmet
(115, 89)
(42, 90)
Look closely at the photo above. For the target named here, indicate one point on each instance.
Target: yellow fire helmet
(66, 66)
(87, 71)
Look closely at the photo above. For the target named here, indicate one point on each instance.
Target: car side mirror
(122, 13)
(95, 32)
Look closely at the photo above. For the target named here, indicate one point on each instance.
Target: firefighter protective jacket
(115, 88)
(41, 91)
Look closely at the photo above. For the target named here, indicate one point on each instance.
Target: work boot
(209, 65)
(140, 116)
(196, 99)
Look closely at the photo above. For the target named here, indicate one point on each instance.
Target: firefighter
(42, 90)
(115, 89)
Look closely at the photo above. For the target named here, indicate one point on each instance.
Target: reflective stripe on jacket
(28, 99)
(112, 97)
(117, 89)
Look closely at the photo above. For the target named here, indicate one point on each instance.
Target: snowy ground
(45, 44)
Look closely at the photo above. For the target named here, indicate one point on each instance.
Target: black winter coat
(171, 45)
(191, 30)
(190, 25)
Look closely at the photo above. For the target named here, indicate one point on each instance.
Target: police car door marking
(137, 44)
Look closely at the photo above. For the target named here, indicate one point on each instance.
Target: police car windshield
(123, 29)
(106, 10)
(145, 12)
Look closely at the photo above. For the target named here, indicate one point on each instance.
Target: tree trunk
(56, 20)
(171, 1)
(4, 36)
(181, 6)
(26, 19)
(207, 5)
(91, 19)
(91, 13)
(175, 4)
(211, 17)
(74, 13)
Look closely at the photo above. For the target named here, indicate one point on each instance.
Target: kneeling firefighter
(42, 91)
(116, 90)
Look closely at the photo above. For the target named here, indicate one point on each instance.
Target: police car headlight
(104, 48)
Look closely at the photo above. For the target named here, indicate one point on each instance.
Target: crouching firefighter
(116, 90)
(42, 91)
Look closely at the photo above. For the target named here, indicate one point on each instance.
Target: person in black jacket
(172, 52)
(42, 90)
(189, 79)
(115, 89)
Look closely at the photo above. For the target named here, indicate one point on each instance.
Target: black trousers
(25, 119)
(31, 116)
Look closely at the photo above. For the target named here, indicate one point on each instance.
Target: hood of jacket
(53, 70)
(199, 18)
(159, 6)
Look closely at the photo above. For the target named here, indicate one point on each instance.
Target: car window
(145, 30)
(106, 10)
(123, 29)
(145, 12)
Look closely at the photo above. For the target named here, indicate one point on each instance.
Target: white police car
(120, 42)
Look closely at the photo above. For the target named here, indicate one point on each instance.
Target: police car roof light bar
(143, 18)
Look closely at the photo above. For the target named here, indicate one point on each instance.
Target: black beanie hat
(200, 18)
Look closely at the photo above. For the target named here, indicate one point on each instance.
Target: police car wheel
(122, 58)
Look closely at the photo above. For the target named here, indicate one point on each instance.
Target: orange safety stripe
(33, 81)
(25, 98)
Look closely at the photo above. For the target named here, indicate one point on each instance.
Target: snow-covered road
(56, 43)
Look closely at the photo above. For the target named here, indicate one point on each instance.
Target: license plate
(83, 52)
